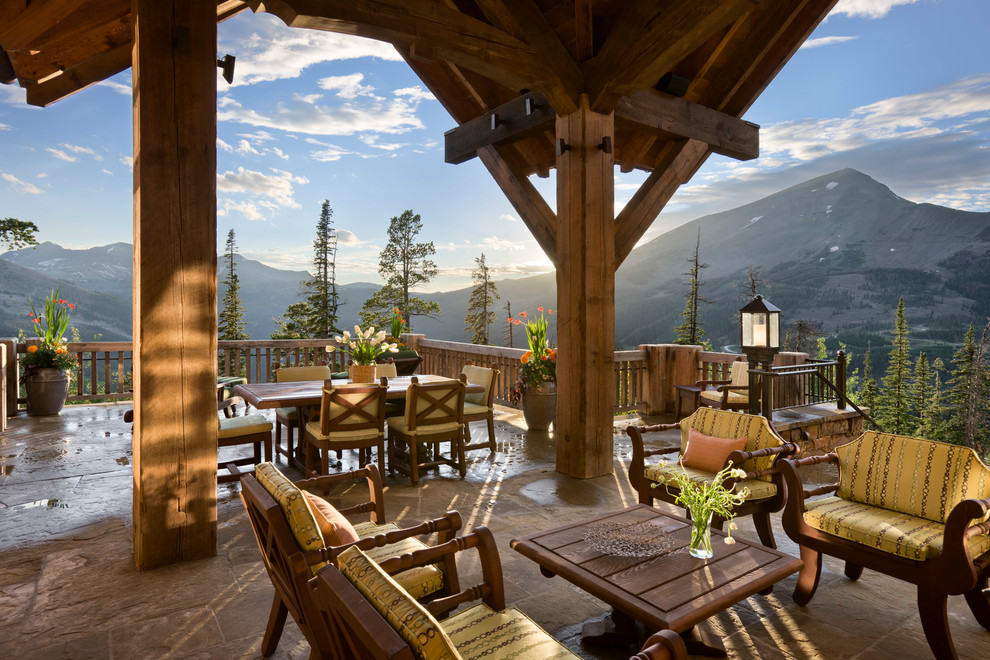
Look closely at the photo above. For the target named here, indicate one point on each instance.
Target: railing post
(840, 379)
(8, 407)
(667, 365)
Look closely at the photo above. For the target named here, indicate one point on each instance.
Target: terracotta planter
(362, 373)
(46, 390)
(539, 404)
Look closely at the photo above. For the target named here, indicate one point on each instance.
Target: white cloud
(21, 186)
(329, 155)
(43, 175)
(76, 149)
(372, 141)
(347, 87)
(127, 160)
(825, 41)
(508, 217)
(58, 153)
(120, 88)
(281, 154)
(415, 93)
(277, 186)
(244, 147)
(224, 146)
(503, 245)
(250, 210)
(268, 50)
(106, 171)
(868, 8)
(257, 136)
(4, 127)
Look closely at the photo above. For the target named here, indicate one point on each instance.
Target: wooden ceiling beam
(454, 36)
(663, 115)
(516, 120)
(649, 39)
(677, 162)
(75, 28)
(631, 152)
(525, 199)
(67, 53)
(80, 76)
(36, 19)
(561, 80)
(584, 31)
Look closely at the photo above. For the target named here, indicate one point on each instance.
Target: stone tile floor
(69, 589)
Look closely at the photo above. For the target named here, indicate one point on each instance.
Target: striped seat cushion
(891, 531)
(297, 513)
(481, 632)
(419, 581)
(913, 476)
(417, 627)
(660, 473)
(729, 424)
(716, 397)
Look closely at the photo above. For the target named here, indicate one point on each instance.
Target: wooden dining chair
(289, 416)
(434, 414)
(351, 417)
(479, 406)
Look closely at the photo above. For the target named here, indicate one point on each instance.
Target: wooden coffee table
(674, 591)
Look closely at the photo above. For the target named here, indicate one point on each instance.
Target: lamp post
(760, 321)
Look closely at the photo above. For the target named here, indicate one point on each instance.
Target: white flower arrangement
(365, 346)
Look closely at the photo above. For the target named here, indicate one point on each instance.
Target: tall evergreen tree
(868, 390)
(894, 400)
(405, 265)
(509, 324)
(231, 323)
(481, 312)
(920, 390)
(963, 363)
(933, 416)
(690, 331)
(322, 287)
(294, 324)
(802, 336)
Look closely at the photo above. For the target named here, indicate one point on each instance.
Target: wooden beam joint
(510, 122)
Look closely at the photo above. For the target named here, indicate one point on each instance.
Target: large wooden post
(585, 293)
(175, 294)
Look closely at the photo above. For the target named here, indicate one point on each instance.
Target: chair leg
(276, 622)
(491, 434)
(853, 571)
(461, 461)
(391, 455)
(979, 602)
(289, 443)
(412, 444)
(763, 528)
(324, 450)
(935, 622)
(381, 455)
(278, 435)
(811, 573)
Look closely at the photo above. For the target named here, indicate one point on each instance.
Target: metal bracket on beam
(606, 144)
(521, 118)
(562, 146)
(495, 121)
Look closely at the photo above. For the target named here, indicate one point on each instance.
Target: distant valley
(838, 250)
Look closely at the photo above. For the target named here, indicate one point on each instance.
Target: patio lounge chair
(371, 616)
(757, 450)
(914, 509)
(732, 394)
(294, 547)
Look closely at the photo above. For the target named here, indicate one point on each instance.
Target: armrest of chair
(959, 571)
(491, 590)
(663, 645)
(640, 453)
(738, 457)
(705, 383)
(445, 526)
(376, 495)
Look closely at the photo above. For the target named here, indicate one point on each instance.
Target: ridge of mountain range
(839, 250)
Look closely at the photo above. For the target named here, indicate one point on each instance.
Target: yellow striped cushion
(410, 619)
(730, 424)
(914, 476)
(716, 396)
(481, 632)
(758, 489)
(419, 581)
(891, 531)
(297, 513)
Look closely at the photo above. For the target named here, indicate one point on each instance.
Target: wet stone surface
(68, 586)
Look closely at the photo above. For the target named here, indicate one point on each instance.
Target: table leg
(703, 643)
(617, 629)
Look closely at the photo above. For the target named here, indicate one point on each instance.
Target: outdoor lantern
(760, 322)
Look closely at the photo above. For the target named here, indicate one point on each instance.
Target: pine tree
(294, 324)
(804, 336)
(933, 416)
(893, 399)
(405, 265)
(959, 386)
(16, 233)
(481, 313)
(920, 393)
(691, 330)
(322, 287)
(509, 323)
(755, 283)
(231, 323)
(868, 390)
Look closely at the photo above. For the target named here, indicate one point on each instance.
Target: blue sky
(899, 89)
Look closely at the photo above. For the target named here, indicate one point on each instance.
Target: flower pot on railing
(539, 404)
(47, 390)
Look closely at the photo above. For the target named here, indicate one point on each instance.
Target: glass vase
(701, 535)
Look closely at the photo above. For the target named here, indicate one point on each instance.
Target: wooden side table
(690, 392)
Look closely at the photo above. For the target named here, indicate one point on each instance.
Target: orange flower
(526, 356)
(32, 349)
(522, 314)
(552, 353)
(59, 351)
(37, 321)
(539, 309)
(549, 311)
(71, 306)
(516, 322)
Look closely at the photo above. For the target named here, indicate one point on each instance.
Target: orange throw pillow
(333, 525)
(706, 452)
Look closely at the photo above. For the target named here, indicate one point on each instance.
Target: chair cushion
(739, 374)
(661, 474)
(706, 452)
(480, 631)
(730, 424)
(296, 374)
(419, 581)
(716, 397)
(290, 499)
(410, 619)
(291, 414)
(475, 409)
(477, 376)
(911, 475)
(399, 424)
(336, 529)
(313, 428)
(231, 427)
(891, 531)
